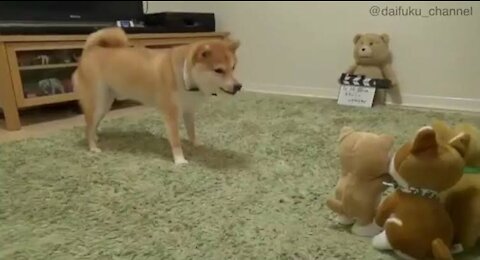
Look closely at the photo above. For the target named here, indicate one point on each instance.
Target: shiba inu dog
(172, 80)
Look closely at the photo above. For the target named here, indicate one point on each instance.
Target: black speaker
(177, 22)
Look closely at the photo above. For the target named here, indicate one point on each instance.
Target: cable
(146, 7)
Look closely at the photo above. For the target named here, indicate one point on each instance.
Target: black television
(69, 11)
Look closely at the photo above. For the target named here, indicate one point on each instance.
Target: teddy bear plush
(364, 159)
(416, 223)
(373, 60)
(462, 201)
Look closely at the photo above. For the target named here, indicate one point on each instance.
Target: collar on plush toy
(471, 170)
(400, 184)
(430, 194)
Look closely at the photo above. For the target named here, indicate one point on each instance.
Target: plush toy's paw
(369, 230)
(343, 220)
(380, 242)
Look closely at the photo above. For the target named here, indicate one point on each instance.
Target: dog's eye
(220, 71)
(371, 43)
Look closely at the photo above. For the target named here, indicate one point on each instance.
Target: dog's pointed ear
(461, 143)
(233, 45)
(202, 51)
(206, 53)
(425, 140)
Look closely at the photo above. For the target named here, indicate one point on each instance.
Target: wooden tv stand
(35, 69)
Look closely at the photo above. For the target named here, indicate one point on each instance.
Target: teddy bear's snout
(365, 51)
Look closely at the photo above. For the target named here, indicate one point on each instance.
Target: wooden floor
(43, 121)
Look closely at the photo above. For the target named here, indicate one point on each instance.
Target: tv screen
(84, 11)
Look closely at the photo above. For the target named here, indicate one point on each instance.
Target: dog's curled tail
(113, 37)
(440, 250)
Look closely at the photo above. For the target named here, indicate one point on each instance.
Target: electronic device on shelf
(84, 17)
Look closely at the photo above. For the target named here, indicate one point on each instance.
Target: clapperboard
(356, 90)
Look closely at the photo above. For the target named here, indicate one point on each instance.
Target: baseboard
(329, 93)
(408, 100)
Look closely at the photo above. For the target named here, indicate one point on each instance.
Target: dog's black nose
(363, 49)
(237, 87)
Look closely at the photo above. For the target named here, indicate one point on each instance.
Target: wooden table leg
(7, 96)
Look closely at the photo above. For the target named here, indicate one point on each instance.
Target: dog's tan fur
(110, 69)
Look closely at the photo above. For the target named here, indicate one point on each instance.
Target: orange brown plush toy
(463, 200)
(416, 224)
(364, 158)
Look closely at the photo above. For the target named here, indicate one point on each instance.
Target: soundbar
(68, 30)
(181, 21)
(169, 22)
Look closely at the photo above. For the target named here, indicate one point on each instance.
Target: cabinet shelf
(44, 67)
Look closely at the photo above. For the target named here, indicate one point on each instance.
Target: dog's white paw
(343, 220)
(180, 161)
(95, 150)
(369, 230)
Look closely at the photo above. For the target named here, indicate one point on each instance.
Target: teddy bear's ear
(385, 38)
(460, 143)
(345, 132)
(356, 38)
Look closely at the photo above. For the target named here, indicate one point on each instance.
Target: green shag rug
(255, 190)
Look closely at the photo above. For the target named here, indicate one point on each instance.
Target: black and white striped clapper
(362, 81)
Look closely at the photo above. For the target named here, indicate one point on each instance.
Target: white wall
(302, 47)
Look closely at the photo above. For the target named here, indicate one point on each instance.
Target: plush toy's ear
(356, 38)
(385, 38)
(425, 140)
(344, 132)
(460, 143)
